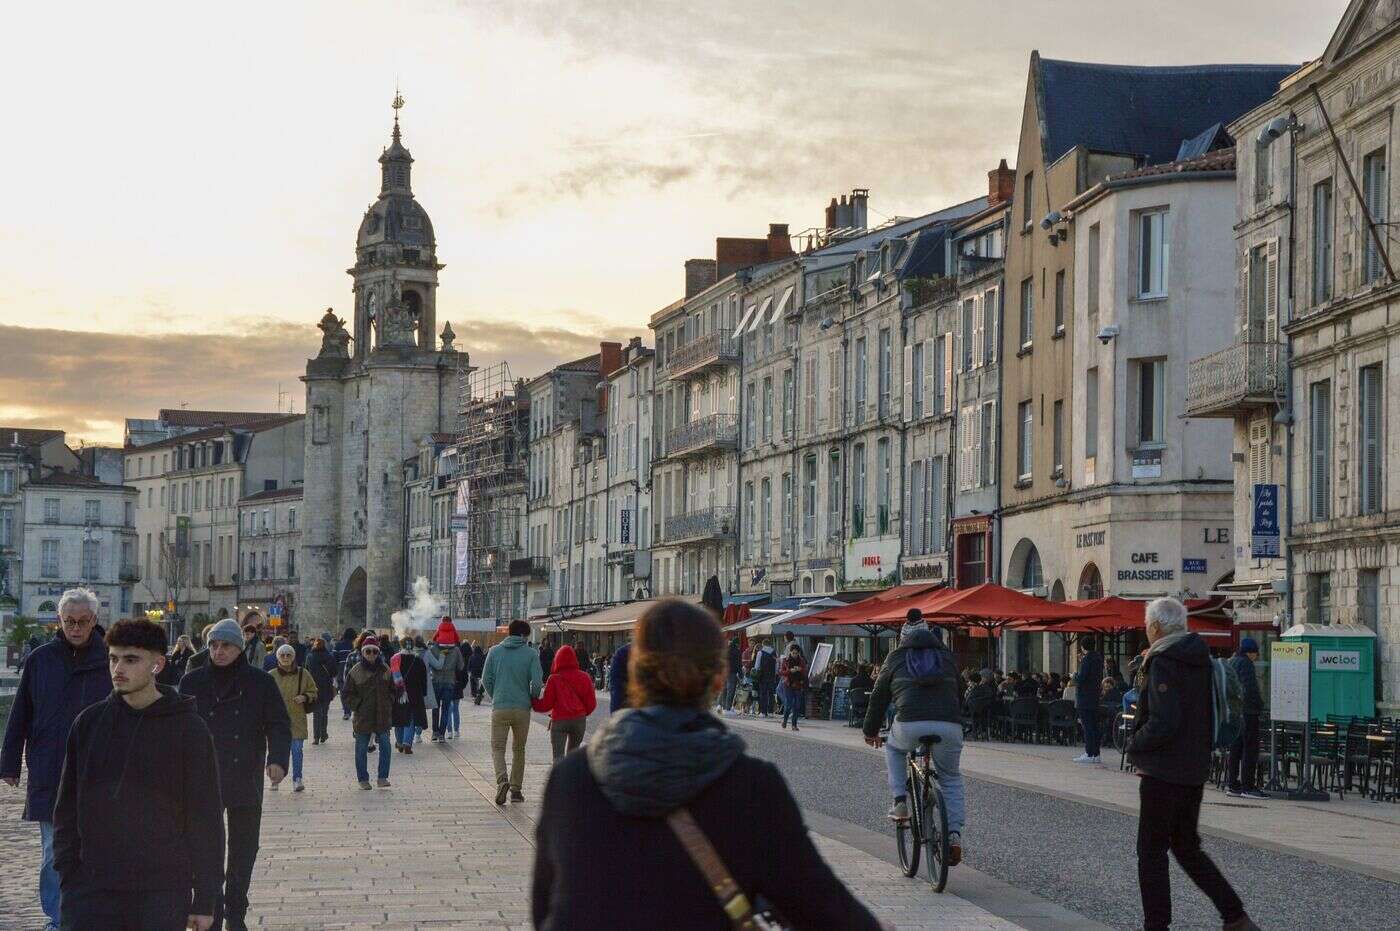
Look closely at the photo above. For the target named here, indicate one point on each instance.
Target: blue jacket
(1249, 682)
(617, 678)
(56, 684)
(1087, 680)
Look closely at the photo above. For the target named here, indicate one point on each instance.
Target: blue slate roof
(1145, 111)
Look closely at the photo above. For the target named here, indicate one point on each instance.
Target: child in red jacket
(569, 698)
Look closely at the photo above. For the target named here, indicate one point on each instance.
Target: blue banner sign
(1264, 536)
(1193, 565)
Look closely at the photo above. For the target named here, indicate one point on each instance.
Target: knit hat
(226, 630)
(447, 633)
(370, 641)
(1249, 645)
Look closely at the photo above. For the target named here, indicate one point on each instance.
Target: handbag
(742, 914)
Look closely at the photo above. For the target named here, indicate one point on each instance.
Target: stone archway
(1090, 582)
(353, 601)
(1023, 571)
(1057, 591)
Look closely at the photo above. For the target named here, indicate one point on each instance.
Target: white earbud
(154, 669)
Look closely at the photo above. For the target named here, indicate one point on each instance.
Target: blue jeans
(362, 756)
(405, 735)
(48, 876)
(445, 716)
(297, 743)
(792, 704)
(947, 753)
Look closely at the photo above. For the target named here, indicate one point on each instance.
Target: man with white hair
(1171, 748)
(60, 679)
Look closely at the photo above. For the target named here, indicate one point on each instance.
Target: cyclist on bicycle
(921, 678)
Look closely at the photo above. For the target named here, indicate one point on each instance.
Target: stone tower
(372, 393)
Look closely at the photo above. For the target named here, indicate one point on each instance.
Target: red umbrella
(1203, 616)
(858, 614)
(990, 606)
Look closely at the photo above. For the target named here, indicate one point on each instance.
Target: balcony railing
(534, 568)
(708, 432)
(129, 574)
(717, 348)
(707, 524)
(1233, 380)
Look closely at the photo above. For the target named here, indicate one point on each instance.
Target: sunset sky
(183, 189)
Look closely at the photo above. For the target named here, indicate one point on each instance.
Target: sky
(186, 180)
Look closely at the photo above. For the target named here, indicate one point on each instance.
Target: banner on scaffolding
(461, 516)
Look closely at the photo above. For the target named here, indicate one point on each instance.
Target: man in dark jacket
(476, 665)
(138, 827)
(60, 679)
(617, 678)
(735, 666)
(1086, 697)
(1243, 761)
(1171, 748)
(321, 664)
(252, 733)
(921, 678)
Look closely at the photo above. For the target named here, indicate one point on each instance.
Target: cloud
(87, 383)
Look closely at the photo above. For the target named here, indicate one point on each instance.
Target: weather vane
(398, 102)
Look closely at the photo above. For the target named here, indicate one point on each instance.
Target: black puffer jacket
(928, 697)
(628, 871)
(321, 664)
(1174, 727)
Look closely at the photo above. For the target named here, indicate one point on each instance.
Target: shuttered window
(935, 497)
(1371, 452)
(1373, 184)
(1320, 450)
(1259, 438)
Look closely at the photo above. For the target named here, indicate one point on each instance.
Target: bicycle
(927, 824)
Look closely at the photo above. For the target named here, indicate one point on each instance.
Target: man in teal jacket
(512, 678)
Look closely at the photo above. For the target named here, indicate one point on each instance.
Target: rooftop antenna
(280, 396)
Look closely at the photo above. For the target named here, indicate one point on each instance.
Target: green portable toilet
(1342, 677)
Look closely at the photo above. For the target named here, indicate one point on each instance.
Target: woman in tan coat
(298, 689)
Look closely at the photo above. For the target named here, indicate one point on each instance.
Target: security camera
(1051, 219)
(1109, 332)
(1274, 128)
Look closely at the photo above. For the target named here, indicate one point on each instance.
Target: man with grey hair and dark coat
(60, 679)
(1171, 748)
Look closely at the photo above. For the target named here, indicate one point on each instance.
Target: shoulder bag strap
(707, 860)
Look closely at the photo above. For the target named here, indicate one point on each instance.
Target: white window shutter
(994, 435)
(1271, 291)
(948, 372)
(1242, 298)
(990, 306)
(927, 348)
(932, 515)
(906, 525)
(976, 444)
(908, 399)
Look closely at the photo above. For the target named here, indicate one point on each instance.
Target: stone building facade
(269, 543)
(369, 406)
(627, 534)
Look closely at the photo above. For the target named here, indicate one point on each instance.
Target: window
(197, 490)
(786, 542)
(967, 329)
(1319, 598)
(1027, 183)
(1058, 412)
(291, 518)
(809, 374)
(265, 566)
(989, 325)
(882, 485)
(809, 499)
(940, 374)
(767, 409)
(1060, 301)
(1263, 169)
(1368, 613)
(1373, 189)
(1023, 441)
(1027, 311)
(916, 381)
(1152, 409)
(989, 439)
(7, 481)
(789, 401)
(1092, 285)
(885, 370)
(750, 404)
(291, 564)
(858, 414)
(1372, 453)
(1091, 413)
(7, 525)
(750, 522)
(48, 554)
(50, 510)
(92, 512)
(252, 566)
(1320, 450)
(833, 495)
(1322, 241)
(128, 513)
(858, 491)
(766, 506)
(1152, 254)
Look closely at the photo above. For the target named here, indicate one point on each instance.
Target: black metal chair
(857, 700)
(1024, 715)
(1061, 720)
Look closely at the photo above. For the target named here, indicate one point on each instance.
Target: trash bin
(1343, 675)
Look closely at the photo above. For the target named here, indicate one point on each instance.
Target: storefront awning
(617, 619)
(862, 611)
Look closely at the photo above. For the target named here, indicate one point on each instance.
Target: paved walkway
(1354, 833)
(434, 851)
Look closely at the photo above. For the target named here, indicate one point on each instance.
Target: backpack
(767, 664)
(1227, 704)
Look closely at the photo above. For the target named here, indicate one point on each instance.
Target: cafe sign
(923, 570)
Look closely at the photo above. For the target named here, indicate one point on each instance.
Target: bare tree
(173, 571)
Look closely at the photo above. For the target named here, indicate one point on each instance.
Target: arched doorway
(1024, 570)
(1090, 582)
(352, 601)
(1057, 591)
(829, 586)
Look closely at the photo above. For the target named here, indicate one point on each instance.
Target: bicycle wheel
(935, 834)
(908, 834)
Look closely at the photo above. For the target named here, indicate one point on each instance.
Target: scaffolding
(492, 446)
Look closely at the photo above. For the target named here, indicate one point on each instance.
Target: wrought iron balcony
(129, 574)
(1233, 380)
(712, 431)
(534, 568)
(698, 526)
(717, 348)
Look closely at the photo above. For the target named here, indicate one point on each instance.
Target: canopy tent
(989, 606)
(860, 613)
(767, 624)
(617, 619)
(1204, 616)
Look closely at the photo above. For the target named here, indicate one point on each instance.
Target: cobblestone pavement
(19, 852)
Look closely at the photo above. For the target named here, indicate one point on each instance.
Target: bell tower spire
(396, 164)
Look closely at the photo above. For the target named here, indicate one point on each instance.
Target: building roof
(179, 417)
(258, 425)
(27, 436)
(1143, 110)
(1217, 164)
(586, 364)
(293, 491)
(57, 479)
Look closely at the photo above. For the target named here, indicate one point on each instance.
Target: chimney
(1001, 184)
(831, 215)
(859, 198)
(699, 275)
(779, 242)
(609, 358)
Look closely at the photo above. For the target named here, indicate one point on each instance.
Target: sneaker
(408, 748)
(383, 783)
(955, 851)
(1234, 793)
(502, 791)
(1255, 794)
(1084, 758)
(345, 717)
(298, 786)
(784, 725)
(516, 795)
(899, 811)
(364, 784)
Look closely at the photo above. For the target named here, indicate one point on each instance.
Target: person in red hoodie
(569, 698)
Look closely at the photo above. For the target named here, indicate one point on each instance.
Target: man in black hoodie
(244, 710)
(138, 831)
(1171, 748)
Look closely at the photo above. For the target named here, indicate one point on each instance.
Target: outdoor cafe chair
(1024, 717)
(1061, 720)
